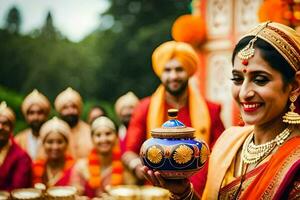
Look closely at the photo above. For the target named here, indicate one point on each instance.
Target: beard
(72, 120)
(4, 138)
(179, 91)
(126, 119)
(36, 125)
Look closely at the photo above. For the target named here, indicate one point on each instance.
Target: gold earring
(292, 117)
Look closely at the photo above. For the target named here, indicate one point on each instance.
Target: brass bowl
(124, 192)
(26, 194)
(61, 193)
(4, 195)
(154, 193)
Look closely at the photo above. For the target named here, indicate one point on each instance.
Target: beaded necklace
(252, 153)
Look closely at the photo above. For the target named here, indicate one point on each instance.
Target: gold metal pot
(61, 193)
(124, 192)
(4, 195)
(154, 193)
(26, 194)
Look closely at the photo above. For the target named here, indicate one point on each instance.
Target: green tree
(49, 31)
(13, 20)
(126, 46)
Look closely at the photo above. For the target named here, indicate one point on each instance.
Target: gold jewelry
(248, 51)
(252, 153)
(292, 117)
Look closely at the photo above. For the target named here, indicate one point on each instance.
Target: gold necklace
(252, 153)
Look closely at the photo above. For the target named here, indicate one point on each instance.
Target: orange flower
(39, 168)
(275, 10)
(190, 29)
(95, 164)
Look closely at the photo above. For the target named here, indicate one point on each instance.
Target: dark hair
(98, 107)
(270, 55)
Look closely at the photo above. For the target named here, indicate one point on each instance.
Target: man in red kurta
(15, 164)
(174, 63)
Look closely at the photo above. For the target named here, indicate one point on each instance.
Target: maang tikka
(248, 51)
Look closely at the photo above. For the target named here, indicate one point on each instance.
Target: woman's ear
(296, 85)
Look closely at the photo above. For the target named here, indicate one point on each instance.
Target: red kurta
(136, 133)
(15, 172)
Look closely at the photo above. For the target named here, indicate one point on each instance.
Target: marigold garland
(286, 12)
(190, 29)
(94, 164)
(39, 168)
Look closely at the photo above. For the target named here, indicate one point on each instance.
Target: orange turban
(37, 98)
(129, 99)
(55, 125)
(184, 52)
(67, 96)
(7, 112)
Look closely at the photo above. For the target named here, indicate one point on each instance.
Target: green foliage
(139, 27)
(13, 20)
(14, 101)
(105, 65)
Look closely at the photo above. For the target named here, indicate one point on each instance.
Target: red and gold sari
(40, 174)
(90, 180)
(278, 178)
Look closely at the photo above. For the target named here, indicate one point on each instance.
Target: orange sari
(271, 180)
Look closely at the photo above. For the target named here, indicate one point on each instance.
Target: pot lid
(173, 128)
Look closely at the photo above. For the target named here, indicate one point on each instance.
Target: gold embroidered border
(229, 194)
(281, 42)
(279, 176)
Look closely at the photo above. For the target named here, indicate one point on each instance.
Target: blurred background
(101, 48)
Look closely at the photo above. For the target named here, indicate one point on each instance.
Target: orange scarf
(268, 184)
(39, 168)
(221, 157)
(199, 113)
(94, 164)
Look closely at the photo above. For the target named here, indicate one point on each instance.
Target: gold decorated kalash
(133, 192)
(173, 150)
(40, 192)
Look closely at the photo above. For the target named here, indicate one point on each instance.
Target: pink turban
(35, 98)
(129, 99)
(103, 122)
(55, 125)
(67, 96)
(7, 112)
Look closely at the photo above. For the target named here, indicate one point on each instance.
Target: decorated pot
(61, 193)
(173, 150)
(27, 194)
(4, 195)
(124, 192)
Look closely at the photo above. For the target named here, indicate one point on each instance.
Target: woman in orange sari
(262, 159)
(56, 169)
(103, 167)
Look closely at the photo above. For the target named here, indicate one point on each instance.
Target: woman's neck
(267, 132)
(106, 159)
(56, 163)
(177, 101)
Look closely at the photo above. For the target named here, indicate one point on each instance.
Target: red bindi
(245, 62)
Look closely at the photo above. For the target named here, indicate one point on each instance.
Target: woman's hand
(175, 186)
